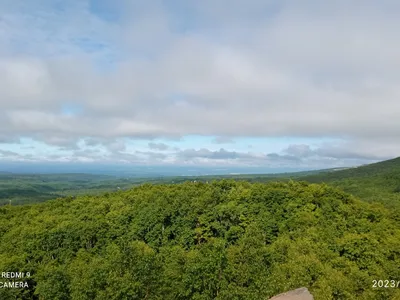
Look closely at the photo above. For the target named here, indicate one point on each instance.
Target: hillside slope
(222, 240)
(386, 167)
(378, 182)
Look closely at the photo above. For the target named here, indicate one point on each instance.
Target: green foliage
(377, 182)
(32, 188)
(221, 240)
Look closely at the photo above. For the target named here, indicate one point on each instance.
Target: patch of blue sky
(31, 146)
(106, 10)
(184, 17)
(90, 45)
(103, 53)
(189, 17)
(136, 145)
(176, 97)
(71, 109)
(11, 147)
(60, 6)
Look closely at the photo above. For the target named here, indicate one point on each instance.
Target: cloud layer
(108, 70)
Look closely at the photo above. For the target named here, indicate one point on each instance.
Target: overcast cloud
(78, 74)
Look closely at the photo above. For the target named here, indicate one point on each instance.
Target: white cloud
(223, 140)
(158, 146)
(241, 68)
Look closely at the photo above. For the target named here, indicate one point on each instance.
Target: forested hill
(384, 168)
(378, 182)
(221, 240)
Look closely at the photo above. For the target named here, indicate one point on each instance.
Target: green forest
(212, 239)
(20, 189)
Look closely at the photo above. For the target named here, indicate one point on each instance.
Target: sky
(288, 83)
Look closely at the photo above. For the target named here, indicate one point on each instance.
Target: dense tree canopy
(20, 189)
(222, 240)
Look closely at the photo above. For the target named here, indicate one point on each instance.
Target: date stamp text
(385, 283)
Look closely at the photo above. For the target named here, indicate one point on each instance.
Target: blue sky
(210, 83)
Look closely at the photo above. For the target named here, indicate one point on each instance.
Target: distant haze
(135, 171)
